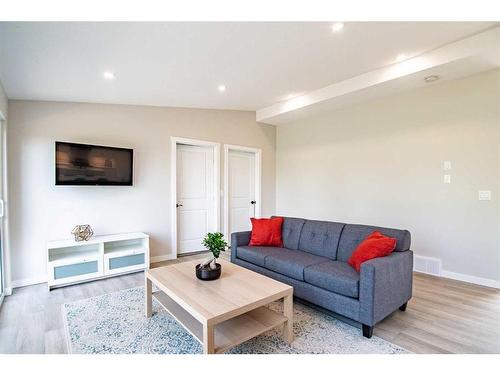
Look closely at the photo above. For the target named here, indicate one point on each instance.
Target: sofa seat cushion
(335, 276)
(256, 254)
(291, 263)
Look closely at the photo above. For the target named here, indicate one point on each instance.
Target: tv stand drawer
(72, 270)
(126, 261)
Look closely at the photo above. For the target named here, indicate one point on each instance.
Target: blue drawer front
(126, 261)
(62, 272)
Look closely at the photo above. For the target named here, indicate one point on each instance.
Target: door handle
(178, 205)
(253, 202)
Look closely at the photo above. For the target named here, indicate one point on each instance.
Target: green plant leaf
(215, 242)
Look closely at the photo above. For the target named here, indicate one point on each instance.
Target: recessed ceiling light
(337, 26)
(221, 88)
(400, 57)
(108, 75)
(430, 79)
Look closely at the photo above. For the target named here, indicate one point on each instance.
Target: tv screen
(80, 164)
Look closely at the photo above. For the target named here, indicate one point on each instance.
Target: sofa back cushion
(291, 229)
(321, 238)
(353, 234)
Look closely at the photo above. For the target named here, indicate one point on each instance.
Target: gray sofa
(314, 261)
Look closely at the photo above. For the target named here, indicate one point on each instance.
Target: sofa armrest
(385, 284)
(239, 239)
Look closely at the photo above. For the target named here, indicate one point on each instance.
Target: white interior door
(195, 197)
(241, 190)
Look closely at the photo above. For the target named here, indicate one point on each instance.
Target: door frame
(258, 182)
(174, 141)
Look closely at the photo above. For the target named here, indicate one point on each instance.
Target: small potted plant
(210, 269)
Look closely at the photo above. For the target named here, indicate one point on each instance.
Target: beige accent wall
(381, 163)
(41, 211)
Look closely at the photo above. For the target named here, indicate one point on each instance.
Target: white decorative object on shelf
(71, 262)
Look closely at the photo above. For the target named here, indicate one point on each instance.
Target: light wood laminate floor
(444, 316)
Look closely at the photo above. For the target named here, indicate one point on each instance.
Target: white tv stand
(70, 262)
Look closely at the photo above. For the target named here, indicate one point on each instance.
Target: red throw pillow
(376, 245)
(266, 232)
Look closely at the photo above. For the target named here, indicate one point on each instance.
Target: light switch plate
(447, 165)
(484, 195)
(447, 178)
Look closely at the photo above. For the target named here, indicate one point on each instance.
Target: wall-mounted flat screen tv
(80, 164)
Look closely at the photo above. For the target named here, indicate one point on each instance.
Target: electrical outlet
(447, 178)
(447, 165)
(484, 195)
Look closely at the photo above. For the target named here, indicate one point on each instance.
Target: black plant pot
(206, 273)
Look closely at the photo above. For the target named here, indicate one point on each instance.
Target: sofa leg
(403, 307)
(367, 331)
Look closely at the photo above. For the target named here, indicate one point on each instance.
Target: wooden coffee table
(222, 313)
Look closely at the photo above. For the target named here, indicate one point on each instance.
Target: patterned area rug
(115, 323)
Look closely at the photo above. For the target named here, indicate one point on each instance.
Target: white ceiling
(468, 56)
(182, 64)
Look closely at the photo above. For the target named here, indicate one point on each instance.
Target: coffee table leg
(149, 293)
(288, 312)
(208, 339)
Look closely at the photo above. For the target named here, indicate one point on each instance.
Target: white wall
(3, 192)
(3, 101)
(381, 163)
(41, 211)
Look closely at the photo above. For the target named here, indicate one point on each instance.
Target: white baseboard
(433, 266)
(161, 258)
(29, 281)
(471, 279)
